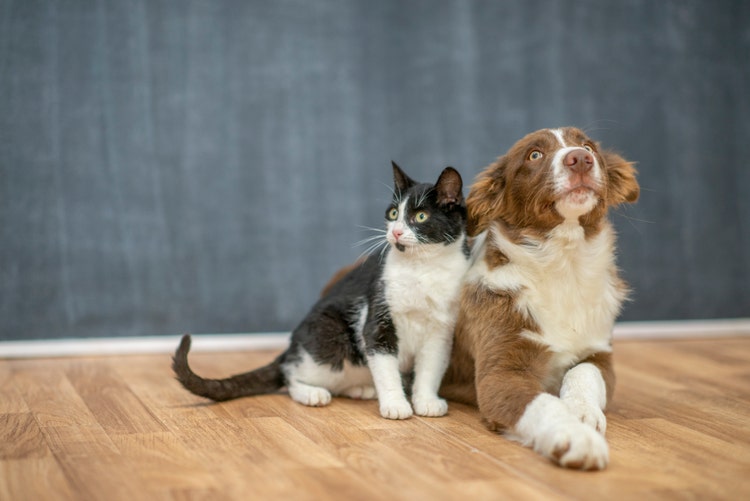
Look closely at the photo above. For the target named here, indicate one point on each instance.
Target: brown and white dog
(533, 340)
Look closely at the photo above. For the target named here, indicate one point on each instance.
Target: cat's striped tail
(266, 379)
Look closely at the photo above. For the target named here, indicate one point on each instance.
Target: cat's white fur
(423, 302)
(314, 384)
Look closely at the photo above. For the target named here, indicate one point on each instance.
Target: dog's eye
(588, 148)
(535, 155)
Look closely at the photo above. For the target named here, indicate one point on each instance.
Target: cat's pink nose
(397, 233)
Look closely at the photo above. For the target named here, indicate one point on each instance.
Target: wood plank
(11, 398)
(107, 476)
(161, 459)
(110, 400)
(52, 399)
(34, 478)
(123, 428)
(20, 437)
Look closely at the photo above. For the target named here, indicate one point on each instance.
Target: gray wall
(171, 166)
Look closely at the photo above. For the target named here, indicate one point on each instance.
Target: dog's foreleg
(511, 398)
(585, 391)
(548, 425)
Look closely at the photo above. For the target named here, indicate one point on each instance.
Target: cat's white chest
(422, 292)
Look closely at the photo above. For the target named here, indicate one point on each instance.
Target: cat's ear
(449, 186)
(401, 181)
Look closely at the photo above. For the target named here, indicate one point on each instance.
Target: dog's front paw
(396, 409)
(430, 406)
(574, 445)
(588, 413)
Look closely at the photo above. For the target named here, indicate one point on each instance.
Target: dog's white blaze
(558, 133)
(561, 179)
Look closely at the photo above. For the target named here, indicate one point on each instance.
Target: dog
(532, 347)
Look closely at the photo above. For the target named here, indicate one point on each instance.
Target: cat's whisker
(367, 252)
(373, 247)
(382, 251)
(367, 240)
(396, 194)
(373, 241)
(391, 189)
(370, 228)
(423, 196)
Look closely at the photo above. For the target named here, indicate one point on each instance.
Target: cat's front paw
(430, 406)
(314, 396)
(396, 410)
(361, 392)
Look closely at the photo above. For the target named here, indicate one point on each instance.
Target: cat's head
(423, 213)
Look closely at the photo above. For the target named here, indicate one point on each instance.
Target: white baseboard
(683, 329)
(279, 340)
(140, 345)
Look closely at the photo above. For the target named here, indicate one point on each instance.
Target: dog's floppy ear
(485, 198)
(622, 186)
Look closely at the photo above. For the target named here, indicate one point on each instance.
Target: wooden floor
(121, 428)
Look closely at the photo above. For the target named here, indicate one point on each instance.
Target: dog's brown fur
(493, 365)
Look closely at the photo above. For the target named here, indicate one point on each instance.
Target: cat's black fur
(352, 321)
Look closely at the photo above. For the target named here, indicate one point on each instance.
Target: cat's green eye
(421, 217)
(393, 214)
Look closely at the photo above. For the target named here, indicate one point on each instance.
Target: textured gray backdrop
(171, 166)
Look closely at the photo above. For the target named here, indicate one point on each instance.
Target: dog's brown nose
(579, 160)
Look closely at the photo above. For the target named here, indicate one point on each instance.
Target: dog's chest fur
(567, 284)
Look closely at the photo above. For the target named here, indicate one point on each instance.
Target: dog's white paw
(395, 409)
(361, 392)
(588, 413)
(314, 396)
(430, 406)
(574, 445)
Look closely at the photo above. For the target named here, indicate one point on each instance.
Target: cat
(390, 314)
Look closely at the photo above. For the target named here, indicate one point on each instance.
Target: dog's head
(550, 176)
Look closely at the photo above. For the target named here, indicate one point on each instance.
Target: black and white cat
(392, 314)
